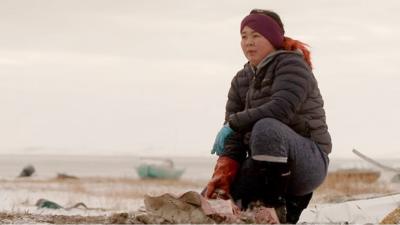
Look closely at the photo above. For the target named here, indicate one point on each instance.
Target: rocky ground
(120, 200)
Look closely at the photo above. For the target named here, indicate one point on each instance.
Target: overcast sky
(151, 77)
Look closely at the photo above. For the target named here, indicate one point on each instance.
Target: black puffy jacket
(283, 88)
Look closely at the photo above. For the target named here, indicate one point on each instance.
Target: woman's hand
(222, 135)
(224, 173)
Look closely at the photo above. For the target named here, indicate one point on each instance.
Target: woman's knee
(269, 138)
(269, 123)
(269, 128)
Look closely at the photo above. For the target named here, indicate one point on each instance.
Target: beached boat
(158, 169)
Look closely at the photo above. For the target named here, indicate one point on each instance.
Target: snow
(371, 210)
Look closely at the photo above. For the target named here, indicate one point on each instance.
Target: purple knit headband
(266, 26)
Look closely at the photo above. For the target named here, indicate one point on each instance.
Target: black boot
(276, 181)
(260, 181)
(249, 184)
(295, 205)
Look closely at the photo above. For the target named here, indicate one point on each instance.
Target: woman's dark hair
(288, 43)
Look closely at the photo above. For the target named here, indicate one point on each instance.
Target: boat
(154, 168)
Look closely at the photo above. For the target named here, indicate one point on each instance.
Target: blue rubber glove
(219, 143)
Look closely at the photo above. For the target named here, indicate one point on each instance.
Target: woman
(275, 143)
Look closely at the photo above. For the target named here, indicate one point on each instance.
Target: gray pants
(273, 141)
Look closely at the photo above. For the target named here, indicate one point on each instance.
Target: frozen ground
(117, 190)
(104, 195)
(371, 210)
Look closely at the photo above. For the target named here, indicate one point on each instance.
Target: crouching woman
(274, 146)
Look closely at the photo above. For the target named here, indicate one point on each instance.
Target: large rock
(191, 207)
(27, 171)
(44, 203)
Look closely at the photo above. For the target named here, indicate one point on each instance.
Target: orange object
(224, 173)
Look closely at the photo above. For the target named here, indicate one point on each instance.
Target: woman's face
(255, 46)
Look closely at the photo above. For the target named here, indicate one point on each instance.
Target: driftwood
(63, 176)
(384, 167)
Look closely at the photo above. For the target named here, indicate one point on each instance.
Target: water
(97, 166)
(196, 168)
